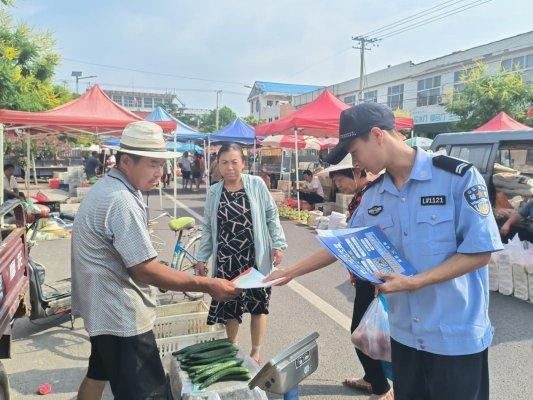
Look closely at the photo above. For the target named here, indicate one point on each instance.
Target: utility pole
(363, 45)
(219, 93)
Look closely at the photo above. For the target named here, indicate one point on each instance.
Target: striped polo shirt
(110, 235)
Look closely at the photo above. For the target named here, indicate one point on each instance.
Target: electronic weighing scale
(283, 373)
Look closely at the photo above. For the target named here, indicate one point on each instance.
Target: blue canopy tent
(237, 131)
(183, 132)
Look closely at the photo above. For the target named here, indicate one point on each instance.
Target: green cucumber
(206, 362)
(213, 353)
(204, 374)
(202, 346)
(225, 372)
(198, 367)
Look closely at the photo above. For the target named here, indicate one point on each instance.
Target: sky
(239, 42)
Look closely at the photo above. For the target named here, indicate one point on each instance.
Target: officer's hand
(279, 273)
(222, 289)
(395, 283)
(352, 278)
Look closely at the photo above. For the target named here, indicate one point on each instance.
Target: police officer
(436, 211)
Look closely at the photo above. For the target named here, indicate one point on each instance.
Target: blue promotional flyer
(365, 251)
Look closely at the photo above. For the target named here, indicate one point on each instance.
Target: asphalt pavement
(51, 352)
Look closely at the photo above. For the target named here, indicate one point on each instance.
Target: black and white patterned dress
(235, 254)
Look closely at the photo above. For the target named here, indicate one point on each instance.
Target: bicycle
(184, 256)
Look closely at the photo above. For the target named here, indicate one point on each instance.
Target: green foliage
(484, 96)
(208, 121)
(27, 64)
(250, 120)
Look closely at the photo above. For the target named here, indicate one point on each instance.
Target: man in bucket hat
(435, 210)
(114, 266)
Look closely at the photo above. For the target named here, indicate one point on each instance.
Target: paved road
(54, 353)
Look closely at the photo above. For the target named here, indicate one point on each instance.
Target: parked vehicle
(22, 288)
(512, 149)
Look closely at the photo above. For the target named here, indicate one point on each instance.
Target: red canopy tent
(320, 118)
(502, 122)
(530, 112)
(92, 112)
(403, 123)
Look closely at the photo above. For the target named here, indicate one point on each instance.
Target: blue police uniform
(443, 209)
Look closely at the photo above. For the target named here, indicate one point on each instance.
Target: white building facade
(269, 99)
(421, 89)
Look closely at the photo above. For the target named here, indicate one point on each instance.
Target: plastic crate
(169, 345)
(186, 307)
(182, 324)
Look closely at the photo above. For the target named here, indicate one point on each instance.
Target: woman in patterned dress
(241, 231)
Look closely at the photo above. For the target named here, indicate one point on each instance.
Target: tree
(190, 119)
(483, 96)
(250, 120)
(27, 65)
(208, 121)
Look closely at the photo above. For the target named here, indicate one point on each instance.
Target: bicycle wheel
(187, 261)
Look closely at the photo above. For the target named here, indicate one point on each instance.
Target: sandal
(359, 384)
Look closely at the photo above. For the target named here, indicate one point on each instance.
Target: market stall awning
(320, 118)
(403, 123)
(183, 131)
(502, 122)
(236, 131)
(92, 112)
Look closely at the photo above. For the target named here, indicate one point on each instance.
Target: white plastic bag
(520, 278)
(512, 250)
(372, 336)
(494, 272)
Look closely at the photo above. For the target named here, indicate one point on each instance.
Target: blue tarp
(237, 131)
(184, 132)
(183, 147)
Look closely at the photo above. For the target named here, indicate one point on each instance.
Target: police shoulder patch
(477, 198)
(451, 164)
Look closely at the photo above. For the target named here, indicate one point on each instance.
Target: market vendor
(311, 190)
(114, 266)
(524, 218)
(11, 190)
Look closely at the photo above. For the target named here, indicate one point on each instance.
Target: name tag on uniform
(432, 200)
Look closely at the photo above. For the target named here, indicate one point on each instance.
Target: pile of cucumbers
(210, 362)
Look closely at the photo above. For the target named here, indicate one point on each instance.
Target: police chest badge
(375, 210)
(478, 199)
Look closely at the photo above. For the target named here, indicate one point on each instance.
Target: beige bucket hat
(144, 138)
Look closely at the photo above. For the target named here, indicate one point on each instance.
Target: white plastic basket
(183, 324)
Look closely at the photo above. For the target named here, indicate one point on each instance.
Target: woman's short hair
(308, 172)
(347, 172)
(227, 147)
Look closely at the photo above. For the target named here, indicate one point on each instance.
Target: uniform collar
(421, 171)
(118, 174)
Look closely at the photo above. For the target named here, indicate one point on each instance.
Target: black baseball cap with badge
(359, 120)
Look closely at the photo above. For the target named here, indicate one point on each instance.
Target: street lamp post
(78, 76)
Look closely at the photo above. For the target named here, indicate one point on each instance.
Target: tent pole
(281, 166)
(2, 167)
(255, 157)
(296, 169)
(28, 167)
(34, 169)
(206, 163)
(209, 156)
(175, 176)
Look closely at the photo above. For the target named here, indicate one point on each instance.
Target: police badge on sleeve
(477, 197)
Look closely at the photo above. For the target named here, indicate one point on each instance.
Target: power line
(435, 18)
(321, 61)
(140, 71)
(413, 17)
